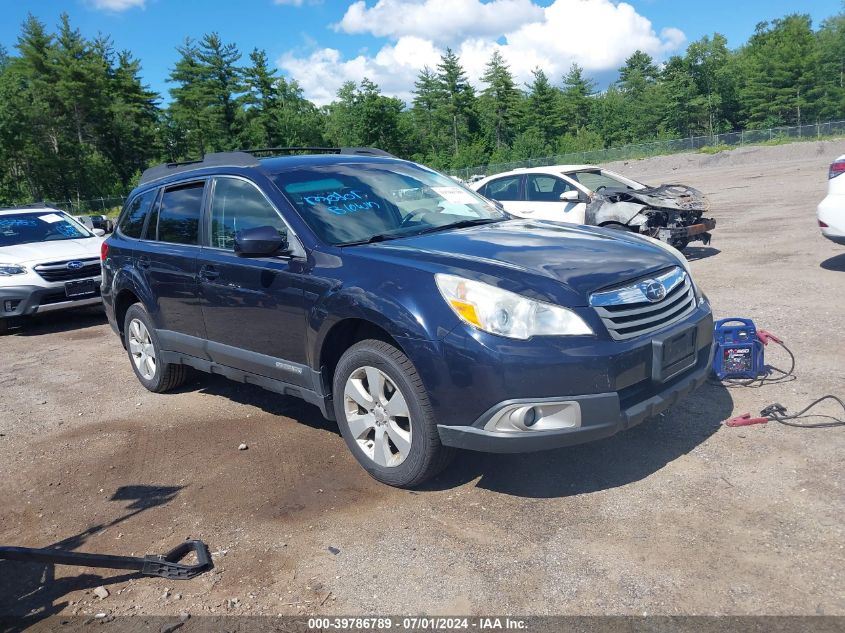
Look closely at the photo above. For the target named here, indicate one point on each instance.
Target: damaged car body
(586, 194)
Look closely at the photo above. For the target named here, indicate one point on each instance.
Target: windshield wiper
(378, 237)
(459, 225)
(381, 237)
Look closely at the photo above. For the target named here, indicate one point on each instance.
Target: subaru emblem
(74, 265)
(653, 290)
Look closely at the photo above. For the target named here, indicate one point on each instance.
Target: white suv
(48, 261)
(831, 210)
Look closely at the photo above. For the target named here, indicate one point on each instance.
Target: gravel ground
(676, 516)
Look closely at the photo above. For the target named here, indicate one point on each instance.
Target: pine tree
(424, 110)
(456, 98)
(222, 85)
(779, 72)
(260, 101)
(575, 98)
(543, 113)
(499, 101)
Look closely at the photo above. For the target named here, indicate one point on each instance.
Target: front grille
(61, 297)
(59, 271)
(626, 312)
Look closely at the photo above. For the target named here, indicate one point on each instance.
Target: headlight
(7, 270)
(506, 313)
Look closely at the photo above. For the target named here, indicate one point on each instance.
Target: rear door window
(179, 214)
(132, 222)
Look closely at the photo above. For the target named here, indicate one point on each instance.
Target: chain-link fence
(95, 206)
(671, 146)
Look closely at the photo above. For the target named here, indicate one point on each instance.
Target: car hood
(57, 250)
(563, 263)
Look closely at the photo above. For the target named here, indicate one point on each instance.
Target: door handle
(209, 273)
(143, 261)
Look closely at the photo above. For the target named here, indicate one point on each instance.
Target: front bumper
(471, 377)
(16, 301)
(601, 415)
(691, 233)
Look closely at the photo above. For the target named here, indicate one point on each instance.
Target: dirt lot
(677, 516)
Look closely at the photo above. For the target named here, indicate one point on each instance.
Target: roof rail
(361, 151)
(216, 159)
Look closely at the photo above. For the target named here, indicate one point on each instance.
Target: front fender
(602, 211)
(406, 306)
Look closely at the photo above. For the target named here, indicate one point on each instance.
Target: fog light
(543, 416)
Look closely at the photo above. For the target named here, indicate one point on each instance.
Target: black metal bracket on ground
(166, 566)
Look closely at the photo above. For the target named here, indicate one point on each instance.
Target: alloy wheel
(142, 349)
(378, 417)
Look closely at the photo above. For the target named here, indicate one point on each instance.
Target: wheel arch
(343, 335)
(124, 299)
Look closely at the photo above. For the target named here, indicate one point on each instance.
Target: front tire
(145, 355)
(4, 326)
(385, 416)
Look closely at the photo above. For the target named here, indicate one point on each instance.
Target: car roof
(553, 169)
(244, 161)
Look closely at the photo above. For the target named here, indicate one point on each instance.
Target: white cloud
(442, 21)
(394, 68)
(596, 34)
(117, 5)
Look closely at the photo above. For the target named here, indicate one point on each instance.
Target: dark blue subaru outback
(403, 305)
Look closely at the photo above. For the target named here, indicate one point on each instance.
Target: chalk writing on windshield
(342, 203)
(68, 230)
(10, 222)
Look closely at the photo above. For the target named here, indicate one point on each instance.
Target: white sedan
(831, 210)
(586, 194)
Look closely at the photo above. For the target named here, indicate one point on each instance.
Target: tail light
(836, 168)
(104, 251)
(822, 225)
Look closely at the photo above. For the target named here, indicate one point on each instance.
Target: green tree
(543, 112)
(829, 91)
(499, 101)
(575, 100)
(779, 64)
(456, 99)
(425, 115)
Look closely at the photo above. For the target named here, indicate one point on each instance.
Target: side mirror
(261, 241)
(573, 195)
(98, 232)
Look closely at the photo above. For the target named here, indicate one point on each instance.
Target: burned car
(586, 194)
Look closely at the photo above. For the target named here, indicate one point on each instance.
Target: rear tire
(4, 326)
(144, 351)
(385, 417)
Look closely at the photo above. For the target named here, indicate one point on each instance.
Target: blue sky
(322, 43)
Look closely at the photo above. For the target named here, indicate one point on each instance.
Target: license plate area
(674, 354)
(79, 289)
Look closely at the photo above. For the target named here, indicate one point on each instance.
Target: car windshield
(595, 180)
(354, 203)
(40, 226)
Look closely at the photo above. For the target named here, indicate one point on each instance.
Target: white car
(831, 210)
(586, 194)
(48, 261)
